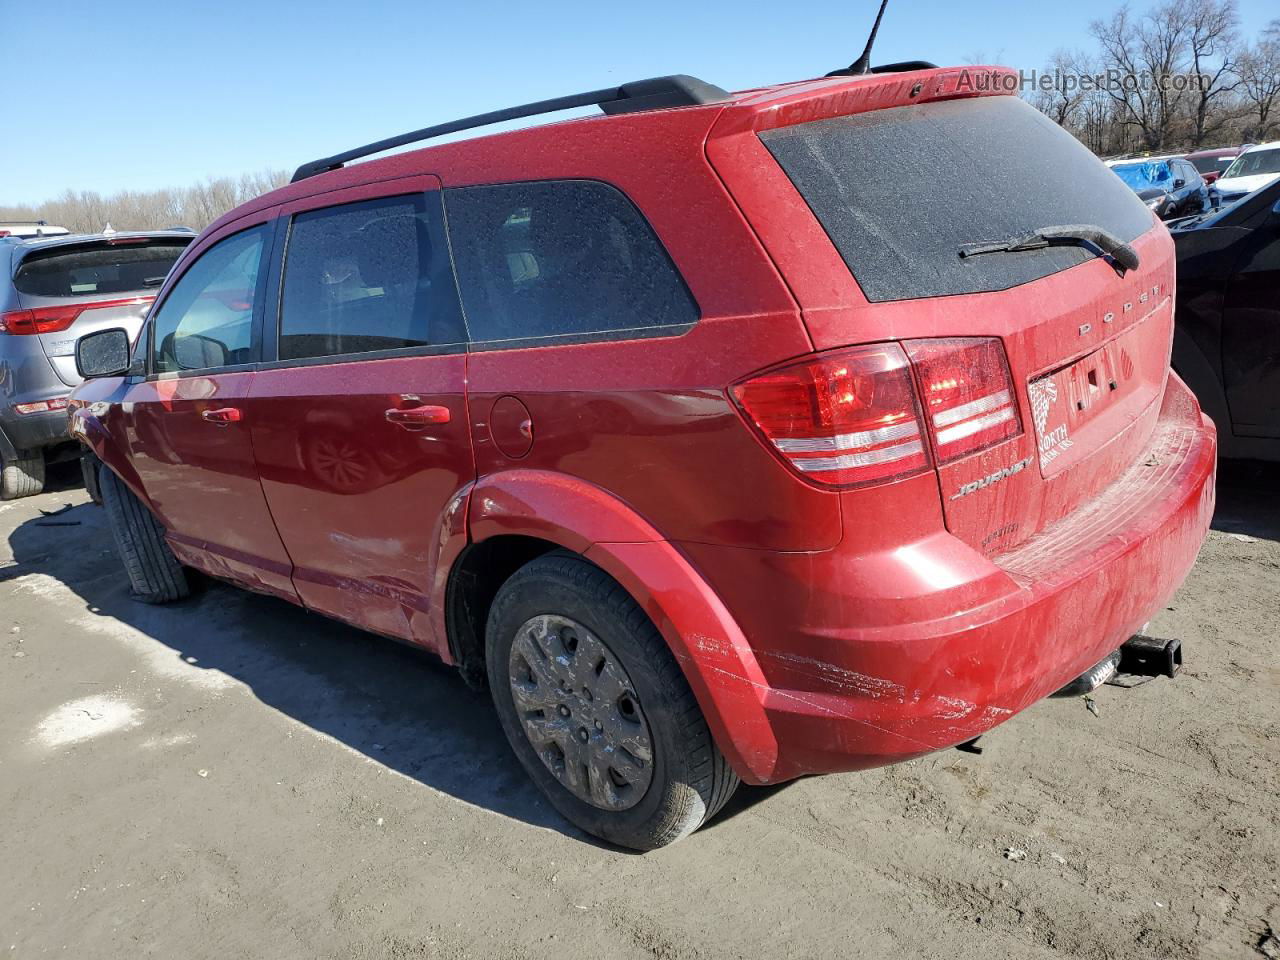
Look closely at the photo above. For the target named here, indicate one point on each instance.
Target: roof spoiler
(654, 94)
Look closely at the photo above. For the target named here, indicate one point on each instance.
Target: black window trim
(255, 326)
(270, 356)
(571, 339)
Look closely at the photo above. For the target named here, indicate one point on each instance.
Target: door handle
(415, 418)
(222, 416)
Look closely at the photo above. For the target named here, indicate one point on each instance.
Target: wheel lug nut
(564, 711)
(583, 735)
(599, 725)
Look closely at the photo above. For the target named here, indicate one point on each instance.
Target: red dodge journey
(725, 437)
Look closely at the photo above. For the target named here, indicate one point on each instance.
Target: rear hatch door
(77, 288)
(897, 192)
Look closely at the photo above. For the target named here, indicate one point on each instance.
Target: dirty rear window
(900, 191)
(75, 271)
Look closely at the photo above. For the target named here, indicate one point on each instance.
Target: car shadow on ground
(393, 704)
(1248, 499)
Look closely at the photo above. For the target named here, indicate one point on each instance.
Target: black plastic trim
(431, 350)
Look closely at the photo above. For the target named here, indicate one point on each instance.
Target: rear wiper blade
(1122, 255)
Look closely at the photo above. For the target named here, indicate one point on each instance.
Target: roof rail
(674, 91)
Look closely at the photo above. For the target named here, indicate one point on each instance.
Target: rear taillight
(968, 396)
(852, 417)
(54, 319)
(41, 320)
(842, 419)
(42, 406)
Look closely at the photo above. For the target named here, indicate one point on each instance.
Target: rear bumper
(1012, 630)
(31, 431)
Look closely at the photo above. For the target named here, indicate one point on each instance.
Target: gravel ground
(231, 776)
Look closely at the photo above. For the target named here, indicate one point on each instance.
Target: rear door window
(563, 258)
(101, 268)
(899, 192)
(206, 320)
(368, 277)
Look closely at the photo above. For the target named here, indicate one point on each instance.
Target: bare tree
(1211, 36)
(1146, 51)
(1259, 71)
(1067, 97)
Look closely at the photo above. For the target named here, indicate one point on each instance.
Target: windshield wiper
(1122, 255)
(152, 281)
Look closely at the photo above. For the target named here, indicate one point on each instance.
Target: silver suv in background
(54, 290)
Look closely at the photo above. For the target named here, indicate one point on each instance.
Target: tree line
(1233, 96)
(196, 206)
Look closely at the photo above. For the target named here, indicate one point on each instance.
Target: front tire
(155, 575)
(23, 476)
(597, 709)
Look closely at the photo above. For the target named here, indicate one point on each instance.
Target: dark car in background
(1227, 340)
(53, 290)
(1169, 186)
(1213, 163)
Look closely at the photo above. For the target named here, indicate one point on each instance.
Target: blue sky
(141, 94)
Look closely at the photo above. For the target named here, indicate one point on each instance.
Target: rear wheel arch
(475, 578)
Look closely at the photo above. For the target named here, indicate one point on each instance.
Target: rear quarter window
(899, 192)
(98, 269)
(565, 258)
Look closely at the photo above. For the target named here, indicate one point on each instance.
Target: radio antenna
(863, 64)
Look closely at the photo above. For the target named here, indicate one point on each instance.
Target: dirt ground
(233, 777)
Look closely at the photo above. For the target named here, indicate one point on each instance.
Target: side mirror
(194, 352)
(103, 353)
(1179, 184)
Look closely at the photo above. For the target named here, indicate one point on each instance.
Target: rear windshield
(1210, 164)
(76, 271)
(900, 191)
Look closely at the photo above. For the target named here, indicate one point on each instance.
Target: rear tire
(22, 476)
(640, 704)
(155, 575)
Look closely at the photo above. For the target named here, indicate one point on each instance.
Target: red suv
(726, 436)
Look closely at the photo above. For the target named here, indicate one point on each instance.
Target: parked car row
(713, 452)
(1180, 186)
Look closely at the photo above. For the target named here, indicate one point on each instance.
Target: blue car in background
(1170, 186)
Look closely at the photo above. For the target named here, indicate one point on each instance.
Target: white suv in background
(1252, 170)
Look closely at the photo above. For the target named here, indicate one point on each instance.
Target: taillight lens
(968, 395)
(54, 319)
(843, 419)
(42, 406)
(42, 320)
